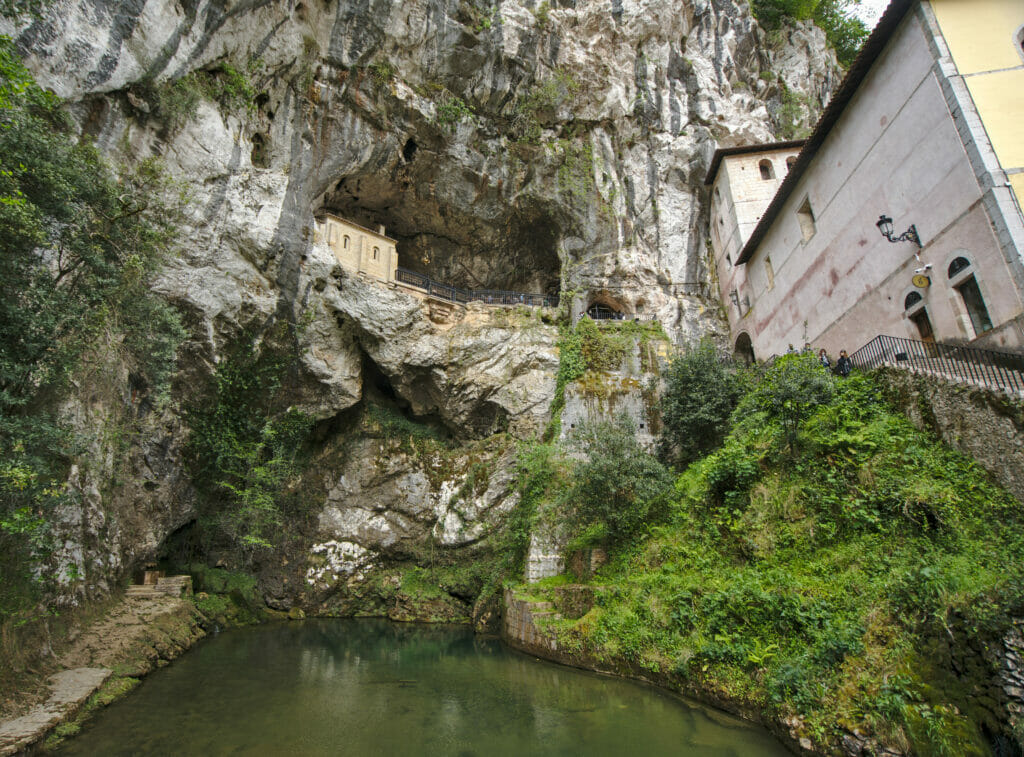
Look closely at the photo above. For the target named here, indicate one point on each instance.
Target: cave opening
(477, 244)
(409, 151)
(379, 395)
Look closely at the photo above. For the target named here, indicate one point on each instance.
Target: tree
(78, 247)
(701, 392)
(844, 31)
(792, 387)
(618, 487)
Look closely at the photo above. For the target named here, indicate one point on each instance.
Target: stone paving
(69, 690)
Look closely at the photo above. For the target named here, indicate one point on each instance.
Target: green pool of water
(366, 687)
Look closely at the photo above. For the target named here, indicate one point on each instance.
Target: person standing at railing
(844, 365)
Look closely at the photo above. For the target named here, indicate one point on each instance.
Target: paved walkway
(69, 690)
(87, 663)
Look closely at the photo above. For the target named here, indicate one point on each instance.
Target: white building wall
(896, 151)
(739, 197)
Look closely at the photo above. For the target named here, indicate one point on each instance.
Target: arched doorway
(604, 308)
(744, 350)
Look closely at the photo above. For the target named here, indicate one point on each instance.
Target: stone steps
(173, 586)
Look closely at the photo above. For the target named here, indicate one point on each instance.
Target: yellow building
(357, 248)
(986, 42)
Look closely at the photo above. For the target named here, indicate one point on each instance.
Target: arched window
(958, 264)
(966, 285)
(344, 241)
(1019, 39)
(376, 252)
(767, 170)
(912, 299)
(790, 162)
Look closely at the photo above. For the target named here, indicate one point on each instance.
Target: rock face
(512, 145)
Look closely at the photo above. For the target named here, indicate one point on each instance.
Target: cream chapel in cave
(357, 248)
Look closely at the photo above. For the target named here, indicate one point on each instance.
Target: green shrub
(618, 486)
(243, 453)
(451, 110)
(701, 391)
(790, 389)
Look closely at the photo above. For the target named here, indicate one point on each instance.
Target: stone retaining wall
(986, 425)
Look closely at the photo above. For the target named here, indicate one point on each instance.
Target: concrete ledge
(69, 691)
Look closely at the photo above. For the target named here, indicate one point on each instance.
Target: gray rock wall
(988, 426)
(502, 145)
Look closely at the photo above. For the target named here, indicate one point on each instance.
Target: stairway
(173, 586)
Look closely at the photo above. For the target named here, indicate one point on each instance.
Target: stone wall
(519, 629)
(987, 425)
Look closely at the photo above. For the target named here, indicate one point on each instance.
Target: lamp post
(910, 235)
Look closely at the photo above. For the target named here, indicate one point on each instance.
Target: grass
(835, 583)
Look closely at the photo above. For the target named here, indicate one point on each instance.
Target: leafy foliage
(792, 387)
(700, 394)
(845, 32)
(244, 454)
(618, 488)
(78, 249)
(541, 104)
(451, 110)
(826, 581)
(176, 101)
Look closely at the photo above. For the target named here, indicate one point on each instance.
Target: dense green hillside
(828, 561)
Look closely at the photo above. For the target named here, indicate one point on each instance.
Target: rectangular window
(806, 217)
(769, 272)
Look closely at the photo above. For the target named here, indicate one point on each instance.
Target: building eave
(328, 214)
(872, 49)
(723, 152)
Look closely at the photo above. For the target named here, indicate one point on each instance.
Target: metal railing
(971, 365)
(487, 296)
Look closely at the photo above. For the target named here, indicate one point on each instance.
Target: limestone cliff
(513, 145)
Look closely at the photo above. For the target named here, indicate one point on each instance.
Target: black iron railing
(488, 296)
(970, 365)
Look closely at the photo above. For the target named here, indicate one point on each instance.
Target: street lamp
(910, 235)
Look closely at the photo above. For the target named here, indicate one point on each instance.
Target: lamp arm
(910, 235)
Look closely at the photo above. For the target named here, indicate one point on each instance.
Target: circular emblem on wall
(921, 281)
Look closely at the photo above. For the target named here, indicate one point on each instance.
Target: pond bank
(104, 661)
(520, 629)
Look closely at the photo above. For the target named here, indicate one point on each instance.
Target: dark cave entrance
(387, 407)
(485, 244)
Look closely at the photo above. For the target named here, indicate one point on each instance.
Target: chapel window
(767, 169)
(806, 217)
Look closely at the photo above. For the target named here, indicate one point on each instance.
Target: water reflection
(345, 687)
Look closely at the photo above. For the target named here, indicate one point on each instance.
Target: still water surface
(367, 687)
